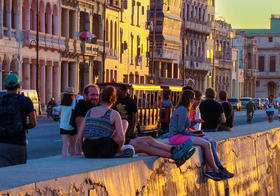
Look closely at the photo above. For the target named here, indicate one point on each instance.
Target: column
(67, 23)
(56, 82)
(64, 79)
(49, 84)
(26, 74)
(90, 70)
(42, 83)
(1, 18)
(18, 20)
(73, 75)
(27, 19)
(33, 74)
(74, 26)
(49, 30)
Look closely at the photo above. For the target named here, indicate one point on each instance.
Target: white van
(32, 94)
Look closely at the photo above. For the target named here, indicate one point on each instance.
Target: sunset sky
(247, 13)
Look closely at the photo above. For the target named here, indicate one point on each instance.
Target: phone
(198, 132)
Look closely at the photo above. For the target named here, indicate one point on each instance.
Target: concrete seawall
(253, 158)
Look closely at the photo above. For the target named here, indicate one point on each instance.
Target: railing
(147, 119)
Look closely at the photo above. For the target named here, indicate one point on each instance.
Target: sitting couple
(102, 133)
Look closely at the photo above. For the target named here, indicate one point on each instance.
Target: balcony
(47, 41)
(251, 73)
(194, 26)
(166, 54)
(197, 65)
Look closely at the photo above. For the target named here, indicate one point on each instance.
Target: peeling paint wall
(254, 159)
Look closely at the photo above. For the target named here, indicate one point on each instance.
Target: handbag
(72, 121)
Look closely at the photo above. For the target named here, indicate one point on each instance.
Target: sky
(249, 14)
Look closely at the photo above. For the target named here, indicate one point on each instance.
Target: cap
(11, 80)
(69, 90)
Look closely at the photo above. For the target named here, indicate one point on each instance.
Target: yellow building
(134, 44)
(112, 22)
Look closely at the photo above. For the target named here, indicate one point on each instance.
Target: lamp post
(104, 42)
(214, 51)
(37, 48)
(183, 44)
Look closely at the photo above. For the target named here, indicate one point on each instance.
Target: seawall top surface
(37, 170)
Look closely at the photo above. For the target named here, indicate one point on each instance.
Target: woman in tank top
(270, 108)
(102, 128)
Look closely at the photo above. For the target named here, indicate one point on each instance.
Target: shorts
(179, 139)
(68, 132)
(269, 113)
(104, 147)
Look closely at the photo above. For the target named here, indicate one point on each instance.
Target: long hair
(185, 99)
(67, 99)
(109, 95)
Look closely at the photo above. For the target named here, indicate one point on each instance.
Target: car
(264, 101)
(244, 101)
(236, 103)
(258, 103)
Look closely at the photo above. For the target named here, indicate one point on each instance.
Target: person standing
(13, 149)
(228, 110)
(211, 112)
(67, 131)
(270, 108)
(127, 109)
(250, 107)
(165, 111)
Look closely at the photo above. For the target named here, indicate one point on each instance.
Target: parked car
(236, 103)
(258, 103)
(244, 101)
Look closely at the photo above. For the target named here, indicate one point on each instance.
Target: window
(125, 78)
(249, 59)
(270, 39)
(258, 83)
(272, 60)
(143, 10)
(107, 75)
(131, 55)
(261, 63)
(169, 70)
(175, 68)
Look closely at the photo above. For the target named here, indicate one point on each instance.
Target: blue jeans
(213, 146)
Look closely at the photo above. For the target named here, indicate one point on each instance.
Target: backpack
(11, 122)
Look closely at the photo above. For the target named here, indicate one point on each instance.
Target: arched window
(111, 34)
(106, 30)
(33, 12)
(116, 39)
(54, 21)
(48, 19)
(42, 17)
(25, 15)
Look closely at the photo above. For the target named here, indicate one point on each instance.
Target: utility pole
(214, 51)
(104, 42)
(37, 49)
(183, 45)
(154, 40)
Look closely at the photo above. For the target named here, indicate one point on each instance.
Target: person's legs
(206, 146)
(65, 144)
(157, 144)
(11, 154)
(213, 147)
(141, 145)
(72, 145)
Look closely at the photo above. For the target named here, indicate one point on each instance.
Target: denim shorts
(269, 113)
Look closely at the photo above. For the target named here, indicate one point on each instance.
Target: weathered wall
(254, 159)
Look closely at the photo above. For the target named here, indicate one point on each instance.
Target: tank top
(99, 126)
(270, 107)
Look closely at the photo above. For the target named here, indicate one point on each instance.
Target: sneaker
(180, 150)
(226, 172)
(213, 175)
(185, 157)
(126, 151)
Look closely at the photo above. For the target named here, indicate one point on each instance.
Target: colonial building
(196, 28)
(237, 76)
(222, 62)
(165, 42)
(263, 59)
(134, 44)
(64, 60)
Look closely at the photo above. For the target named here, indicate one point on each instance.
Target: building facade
(263, 59)
(196, 29)
(165, 42)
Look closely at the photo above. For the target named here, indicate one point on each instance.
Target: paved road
(44, 140)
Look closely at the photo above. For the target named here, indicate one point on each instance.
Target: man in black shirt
(229, 113)
(127, 109)
(211, 112)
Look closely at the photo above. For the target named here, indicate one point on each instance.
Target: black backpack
(11, 122)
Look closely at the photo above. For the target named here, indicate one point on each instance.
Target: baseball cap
(11, 80)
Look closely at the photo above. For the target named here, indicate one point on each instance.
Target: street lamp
(37, 49)
(104, 41)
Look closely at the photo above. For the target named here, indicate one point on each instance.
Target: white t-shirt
(65, 117)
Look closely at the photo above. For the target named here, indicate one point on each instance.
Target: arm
(223, 118)
(80, 131)
(118, 135)
(32, 120)
(183, 120)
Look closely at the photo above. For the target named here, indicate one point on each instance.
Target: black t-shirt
(82, 108)
(26, 106)
(211, 112)
(227, 108)
(126, 107)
